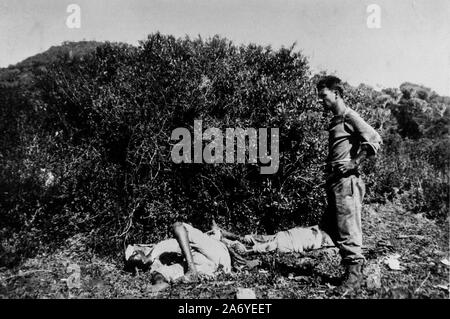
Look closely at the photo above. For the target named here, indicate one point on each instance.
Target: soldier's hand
(348, 166)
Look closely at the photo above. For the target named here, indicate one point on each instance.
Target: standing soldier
(351, 140)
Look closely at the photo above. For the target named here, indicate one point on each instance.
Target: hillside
(22, 72)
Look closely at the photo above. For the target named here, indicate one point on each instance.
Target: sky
(412, 43)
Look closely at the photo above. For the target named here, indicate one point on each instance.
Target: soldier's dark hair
(331, 82)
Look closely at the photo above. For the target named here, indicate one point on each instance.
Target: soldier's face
(327, 98)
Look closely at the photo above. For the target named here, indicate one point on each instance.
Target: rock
(96, 283)
(444, 287)
(392, 261)
(263, 271)
(445, 261)
(245, 293)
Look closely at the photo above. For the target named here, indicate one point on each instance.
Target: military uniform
(345, 193)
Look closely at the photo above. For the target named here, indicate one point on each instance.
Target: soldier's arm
(369, 138)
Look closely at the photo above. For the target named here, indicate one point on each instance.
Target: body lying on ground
(297, 240)
(194, 252)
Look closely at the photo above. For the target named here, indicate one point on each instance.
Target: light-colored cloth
(347, 133)
(297, 239)
(208, 254)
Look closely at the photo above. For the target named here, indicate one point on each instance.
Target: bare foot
(190, 276)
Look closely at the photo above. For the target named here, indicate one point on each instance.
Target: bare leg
(181, 236)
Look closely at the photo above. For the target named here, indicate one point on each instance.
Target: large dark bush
(104, 128)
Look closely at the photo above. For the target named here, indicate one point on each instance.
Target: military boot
(353, 277)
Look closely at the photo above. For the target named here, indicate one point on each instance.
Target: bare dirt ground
(420, 245)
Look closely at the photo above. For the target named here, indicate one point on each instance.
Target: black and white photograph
(224, 149)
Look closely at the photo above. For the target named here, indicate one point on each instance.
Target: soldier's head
(329, 91)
